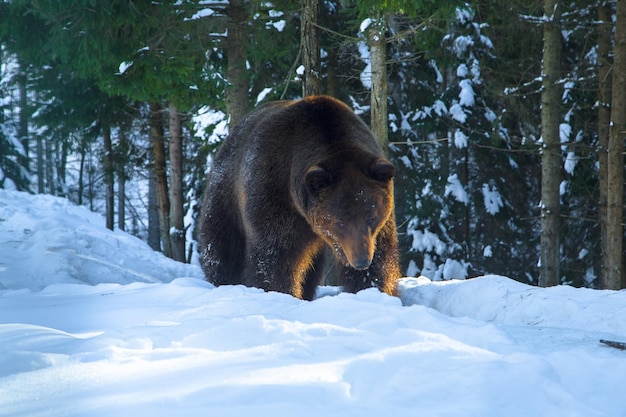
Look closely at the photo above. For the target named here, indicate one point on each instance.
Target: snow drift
(93, 323)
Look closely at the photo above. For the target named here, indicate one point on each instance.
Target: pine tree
(604, 118)
(13, 174)
(310, 45)
(613, 261)
(551, 154)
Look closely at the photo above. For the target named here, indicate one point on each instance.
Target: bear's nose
(361, 263)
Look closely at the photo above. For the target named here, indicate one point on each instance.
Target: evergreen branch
(338, 34)
(406, 33)
(290, 72)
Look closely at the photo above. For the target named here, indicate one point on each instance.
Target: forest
(505, 119)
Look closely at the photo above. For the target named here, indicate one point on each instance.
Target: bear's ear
(317, 178)
(382, 170)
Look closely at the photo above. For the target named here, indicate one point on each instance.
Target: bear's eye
(341, 225)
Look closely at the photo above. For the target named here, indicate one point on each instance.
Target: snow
(462, 71)
(365, 24)
(366, 74)
(426, 241)
(93, 323)
(457, 190)
(466, 95)
(565, 131)
(124, 65)
(261, 96)
(457, 113)
(280, 25)
(492, 199)
(460, 139)
(454, 269)
(201, 13)
(211, 124)
(571, 160)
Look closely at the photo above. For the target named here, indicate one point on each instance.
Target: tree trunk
(108, 176)
(24, 159)
(177, 234)
(160, 172)
(612, 277)
(41, 181)
(551, 155)
(310, 41)
(605, 34)
(121, 181)
(154, 229)
(50, 168)
(236, 73)
(81, 173)
(378, 55)
(63, 149)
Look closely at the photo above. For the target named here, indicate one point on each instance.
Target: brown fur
(292, 178)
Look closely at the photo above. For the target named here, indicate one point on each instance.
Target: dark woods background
(496, 113)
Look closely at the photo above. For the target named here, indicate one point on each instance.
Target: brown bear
(293, 178)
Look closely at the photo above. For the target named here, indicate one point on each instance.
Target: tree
(121, 159)
(236, 73)
(160, 171)
(13, 151)
(376, 34)
(613, 262)
(108, 166)
(147, 51)
(377, 42)
(551, 152)
(310, 45)
(604, 120)
(177, 198)
(154, 227)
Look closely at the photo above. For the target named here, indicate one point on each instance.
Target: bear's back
(309, 122)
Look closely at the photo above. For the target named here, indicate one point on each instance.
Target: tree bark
(160, 172)
(551, 155)
(121, 181)
(63, 150)
(236, 73)
(108, 176)
(613, 263)
(24, 159)
(41, 181)
(154, 228)
(378, 55)
(177, 233)
(81, 173)
(49, 152)
(605, 33)
(310, 41)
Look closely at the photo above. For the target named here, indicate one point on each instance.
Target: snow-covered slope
(46, 240)
(93, 323)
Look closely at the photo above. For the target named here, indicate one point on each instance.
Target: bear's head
(348, 202)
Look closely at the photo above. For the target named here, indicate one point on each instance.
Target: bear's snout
(361, 264)
(358, 250)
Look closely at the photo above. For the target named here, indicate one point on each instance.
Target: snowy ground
(93, 323)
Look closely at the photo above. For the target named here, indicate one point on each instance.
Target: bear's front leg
(274, 267)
